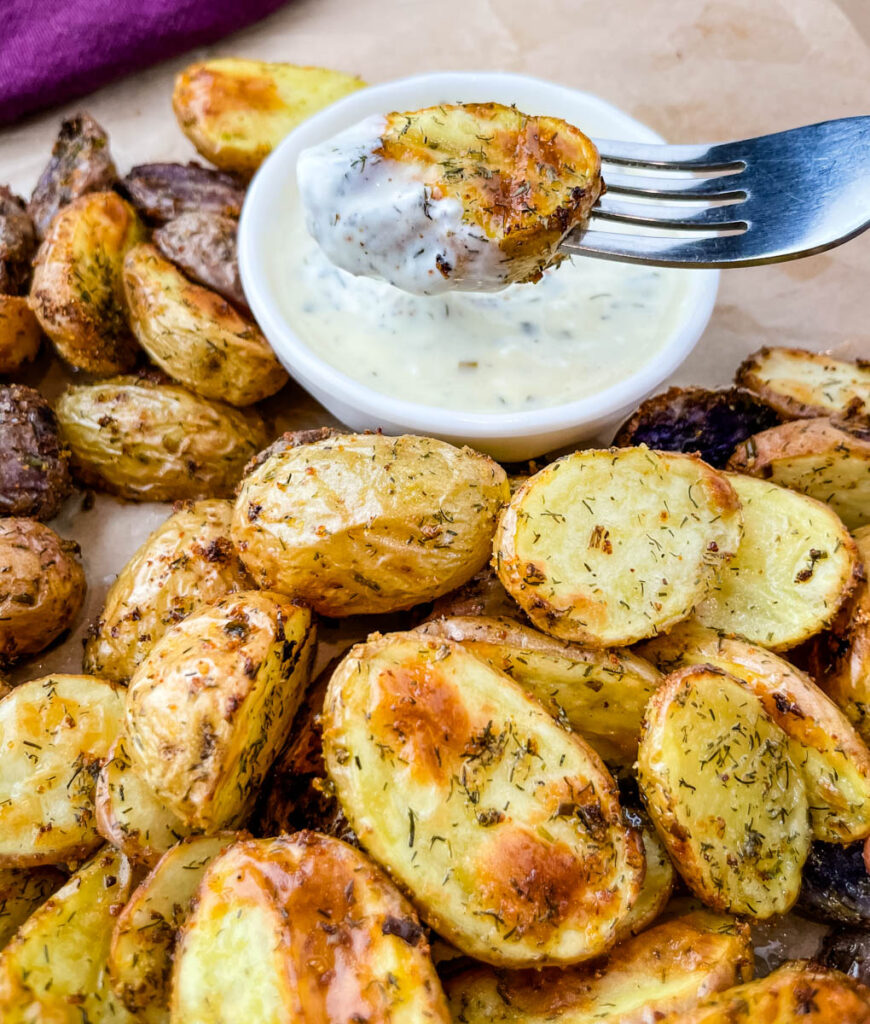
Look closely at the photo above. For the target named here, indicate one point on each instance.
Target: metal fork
(763, 200)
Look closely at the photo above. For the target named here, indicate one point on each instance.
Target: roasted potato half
(22, 890)
(195, 335)
(795, 566)
(671, 967)
(363, 523)
(816, 457)
(599, 694)
(162, 192)
(797, 991)
(186, 563)
(129, 815)
(204, 246)
(43, 587)
(77, 291)
(658, 879)
(54, 970)
(34, 465)
(53, 734)
(832, 757)
(20, 333)
(302, 927)
(211, 704)
(143, 939)
(610, 546)
(718, 781)
(799, 384)
(505, 828)
(236, 111)
(150, 441)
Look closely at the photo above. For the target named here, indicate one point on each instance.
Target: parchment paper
(695, 70)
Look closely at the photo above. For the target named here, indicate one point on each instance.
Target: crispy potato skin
(77, 292)
(34, 466)
(798, 991)
(799, 384)
(236, 111)
(203, 245)
(599, 694)
(362, 523)
(195, 335)
(20, 333)
(210, 706)
(505, 828)
(22, 890)
(709, 796)
(151, 441)
(53, 733)
(827, 750)
(17, 243)
(43, 587)
(795, 567)
(816, 457)
(185, 564)
(295, 928)
(658, 879)
(608, 547)
(670, 967)
(162, 192)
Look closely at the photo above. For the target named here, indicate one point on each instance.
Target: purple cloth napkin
(52, 51)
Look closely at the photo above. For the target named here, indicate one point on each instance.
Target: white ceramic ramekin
(507, 436)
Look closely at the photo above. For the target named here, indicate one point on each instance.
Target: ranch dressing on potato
(584, 327)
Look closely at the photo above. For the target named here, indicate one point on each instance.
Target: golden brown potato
(833, 759)
(22, 890)
(671, 967)
(43, 587)
(236, 111)
(718, 781)
(77, 292)
(129, 815)
(610, 546)
(195, 335)
(795, 566)
(504, 827)
(186, 563)
(816, 457)
(54, 970)
(53, 734)
(362, 523)
(143, 940)
(20, 333)
(798, 384)
(599, 694)
(211, 704)
(658, 879)
(302, 928)
(796, 992)
(150, 441)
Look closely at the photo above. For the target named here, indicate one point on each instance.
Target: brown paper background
(695, 70)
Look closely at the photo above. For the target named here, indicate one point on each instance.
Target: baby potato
(362, 523)
(505, 828)
(20, 333)
(211, 704)
(162, 192)
(658, 879)
(186, 563)
(608, 547)
(77, 291)
(302, 928)
(34, 466)
(195, 335)
(717, 778)
(43, 587)
(151, 441)
(236, 111)
(17, 243)
(22, 890)
(204, 246)
(794, 568)
(53, 734)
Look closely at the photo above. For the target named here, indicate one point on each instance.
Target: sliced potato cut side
(140, 957)
(302, 928)
(53, 733)
(599, 694)
(825, 747)
(795, 566)
(22, 890)
(608, 547)
(718, 781)
(504, 827)
(670, 967)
